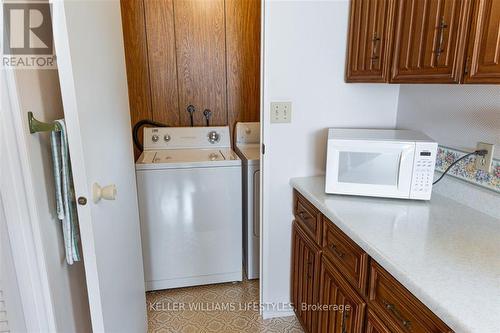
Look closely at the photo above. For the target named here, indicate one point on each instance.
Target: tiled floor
(218, 308)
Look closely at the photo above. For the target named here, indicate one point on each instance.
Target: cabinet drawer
(347, 256)
(397, 307)
(307, 216)
(374, 324)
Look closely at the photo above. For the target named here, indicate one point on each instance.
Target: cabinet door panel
(428, 41)
(484, 42)
(370, 25)
(336, 292)
(201, 60)
(305, 260)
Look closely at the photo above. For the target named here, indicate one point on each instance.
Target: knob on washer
(213, 137)
(155, 138)
(166, 138)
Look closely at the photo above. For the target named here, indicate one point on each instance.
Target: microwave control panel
(423, 170)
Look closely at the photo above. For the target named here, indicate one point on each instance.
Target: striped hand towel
(65, 194)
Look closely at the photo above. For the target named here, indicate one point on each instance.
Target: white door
(90, 54)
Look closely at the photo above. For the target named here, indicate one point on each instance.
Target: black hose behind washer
(138, 125)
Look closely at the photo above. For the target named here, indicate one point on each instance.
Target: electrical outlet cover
(281, 112)
(484, 162)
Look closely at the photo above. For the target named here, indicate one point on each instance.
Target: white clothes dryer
(248, 149)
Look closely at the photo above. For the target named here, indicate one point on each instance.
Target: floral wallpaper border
(466, 170)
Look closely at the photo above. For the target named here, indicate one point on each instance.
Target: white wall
(38, 91)
(457, 116)
(304, 56)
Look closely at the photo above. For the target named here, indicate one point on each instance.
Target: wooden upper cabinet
(368, 48)
(429, 41)
(484, 43)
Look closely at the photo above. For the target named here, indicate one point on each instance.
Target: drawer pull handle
(391, 307)
(337, 252)
(309, 266)
(345, 315)
(303, 216)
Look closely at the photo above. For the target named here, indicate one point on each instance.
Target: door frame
(22, 218)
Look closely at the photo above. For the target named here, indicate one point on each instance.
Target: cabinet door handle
(337, 252)
(392, 308)
(309, 266)
(374, 58)
(303, 215)
(345, 315)
(441, 28)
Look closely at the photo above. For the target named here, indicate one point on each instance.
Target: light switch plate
(281, 112)
(484, 162)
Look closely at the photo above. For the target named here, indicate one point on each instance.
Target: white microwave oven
(380, 163)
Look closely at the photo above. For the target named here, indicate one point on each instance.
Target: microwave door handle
(399, 167)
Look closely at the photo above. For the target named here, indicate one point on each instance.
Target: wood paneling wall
(136, 55)
(200, 52)
(160, 36)
(243, 59)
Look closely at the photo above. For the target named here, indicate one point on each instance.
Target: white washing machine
(190, 206)
(248, 148)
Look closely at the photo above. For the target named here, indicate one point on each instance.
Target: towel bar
(38, 126)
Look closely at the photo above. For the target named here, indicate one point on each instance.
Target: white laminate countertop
(445, 253)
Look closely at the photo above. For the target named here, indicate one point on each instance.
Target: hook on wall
(36, 126)
(190, 109)
(207, 113)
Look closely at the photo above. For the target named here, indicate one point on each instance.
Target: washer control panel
(247, 133)
(423, 170)
(156, 138)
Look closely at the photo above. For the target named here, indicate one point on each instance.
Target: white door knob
(106, 192)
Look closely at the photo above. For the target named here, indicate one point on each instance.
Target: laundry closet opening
(193, 71)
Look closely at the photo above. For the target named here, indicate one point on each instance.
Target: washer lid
(250, 152)
(186, 158)
(187, 155)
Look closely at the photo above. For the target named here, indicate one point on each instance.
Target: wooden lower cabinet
(304, 282)
(342, 309)
(337, 288)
